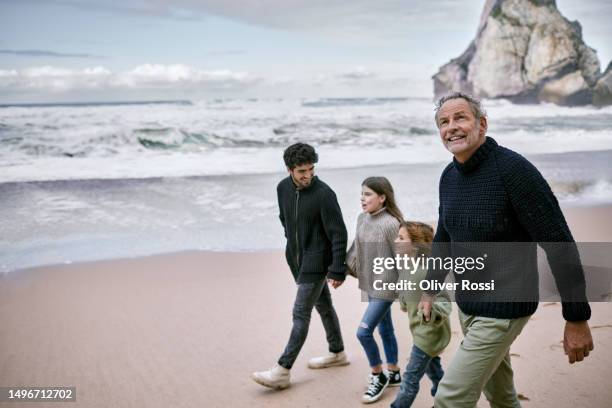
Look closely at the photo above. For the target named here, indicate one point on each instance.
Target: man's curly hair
(298, 154)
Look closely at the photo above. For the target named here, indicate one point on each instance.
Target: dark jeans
(378, 314)
(418, 365)
(311, 295)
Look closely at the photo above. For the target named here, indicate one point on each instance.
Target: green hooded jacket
(432, 337)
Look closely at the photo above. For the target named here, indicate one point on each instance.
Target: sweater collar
(375, 213)
(477, 158)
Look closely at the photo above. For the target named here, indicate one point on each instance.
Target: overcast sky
(94, 50)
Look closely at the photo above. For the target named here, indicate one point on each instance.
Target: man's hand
(577, 341)
(425, 305)
(335, 283)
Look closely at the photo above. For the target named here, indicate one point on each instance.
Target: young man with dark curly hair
(316, 249)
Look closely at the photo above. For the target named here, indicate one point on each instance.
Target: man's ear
(483, 125)
(288, 170)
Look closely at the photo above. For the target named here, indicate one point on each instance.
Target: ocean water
(96, 181)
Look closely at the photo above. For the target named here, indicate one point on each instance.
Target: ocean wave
(172, 139)
(594, 122)
(334, 102)
(502, 108)
(584, 191)
(95, 104)
(103, 141)
(570, 188)
(39, 143)
(156, 144)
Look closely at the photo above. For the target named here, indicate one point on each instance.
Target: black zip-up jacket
(315, 232)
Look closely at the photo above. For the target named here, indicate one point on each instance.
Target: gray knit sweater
(375, 236)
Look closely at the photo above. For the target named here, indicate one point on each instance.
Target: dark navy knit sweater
(499, 196)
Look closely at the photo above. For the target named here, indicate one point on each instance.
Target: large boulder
(526, 51)
(603, 88)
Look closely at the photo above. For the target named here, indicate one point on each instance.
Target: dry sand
(187, 330)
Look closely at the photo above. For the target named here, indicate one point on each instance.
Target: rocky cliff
(526, 51)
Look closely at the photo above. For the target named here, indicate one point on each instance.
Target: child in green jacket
(429, 337)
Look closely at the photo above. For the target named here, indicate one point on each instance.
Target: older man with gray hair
(492, 194)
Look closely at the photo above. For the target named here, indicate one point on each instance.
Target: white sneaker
(330, 360)
(277, 377)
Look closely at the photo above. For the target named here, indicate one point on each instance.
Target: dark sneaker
(395, 379)
(376, 386)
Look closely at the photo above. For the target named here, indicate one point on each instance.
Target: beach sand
(188, 329)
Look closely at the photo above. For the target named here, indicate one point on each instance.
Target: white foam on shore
(239, 144)
(502, 108)
(596, 193)
(269, 160)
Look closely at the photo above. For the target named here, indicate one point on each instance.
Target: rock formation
(603, 88)
(526, 51)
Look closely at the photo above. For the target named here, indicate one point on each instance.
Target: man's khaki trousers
(482, 363)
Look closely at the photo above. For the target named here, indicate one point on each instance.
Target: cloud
(45, 53)
(357, 20)
(52, 83)
(148, 8)
(356, 74)
(52, 79)
(349, 76)
(160, 76)
(143, 77)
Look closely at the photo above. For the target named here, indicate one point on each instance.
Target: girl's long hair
(380, 185)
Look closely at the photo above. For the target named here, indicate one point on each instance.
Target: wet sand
(187, 330)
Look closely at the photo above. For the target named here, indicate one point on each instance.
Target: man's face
(460, 132)
(302, 175)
